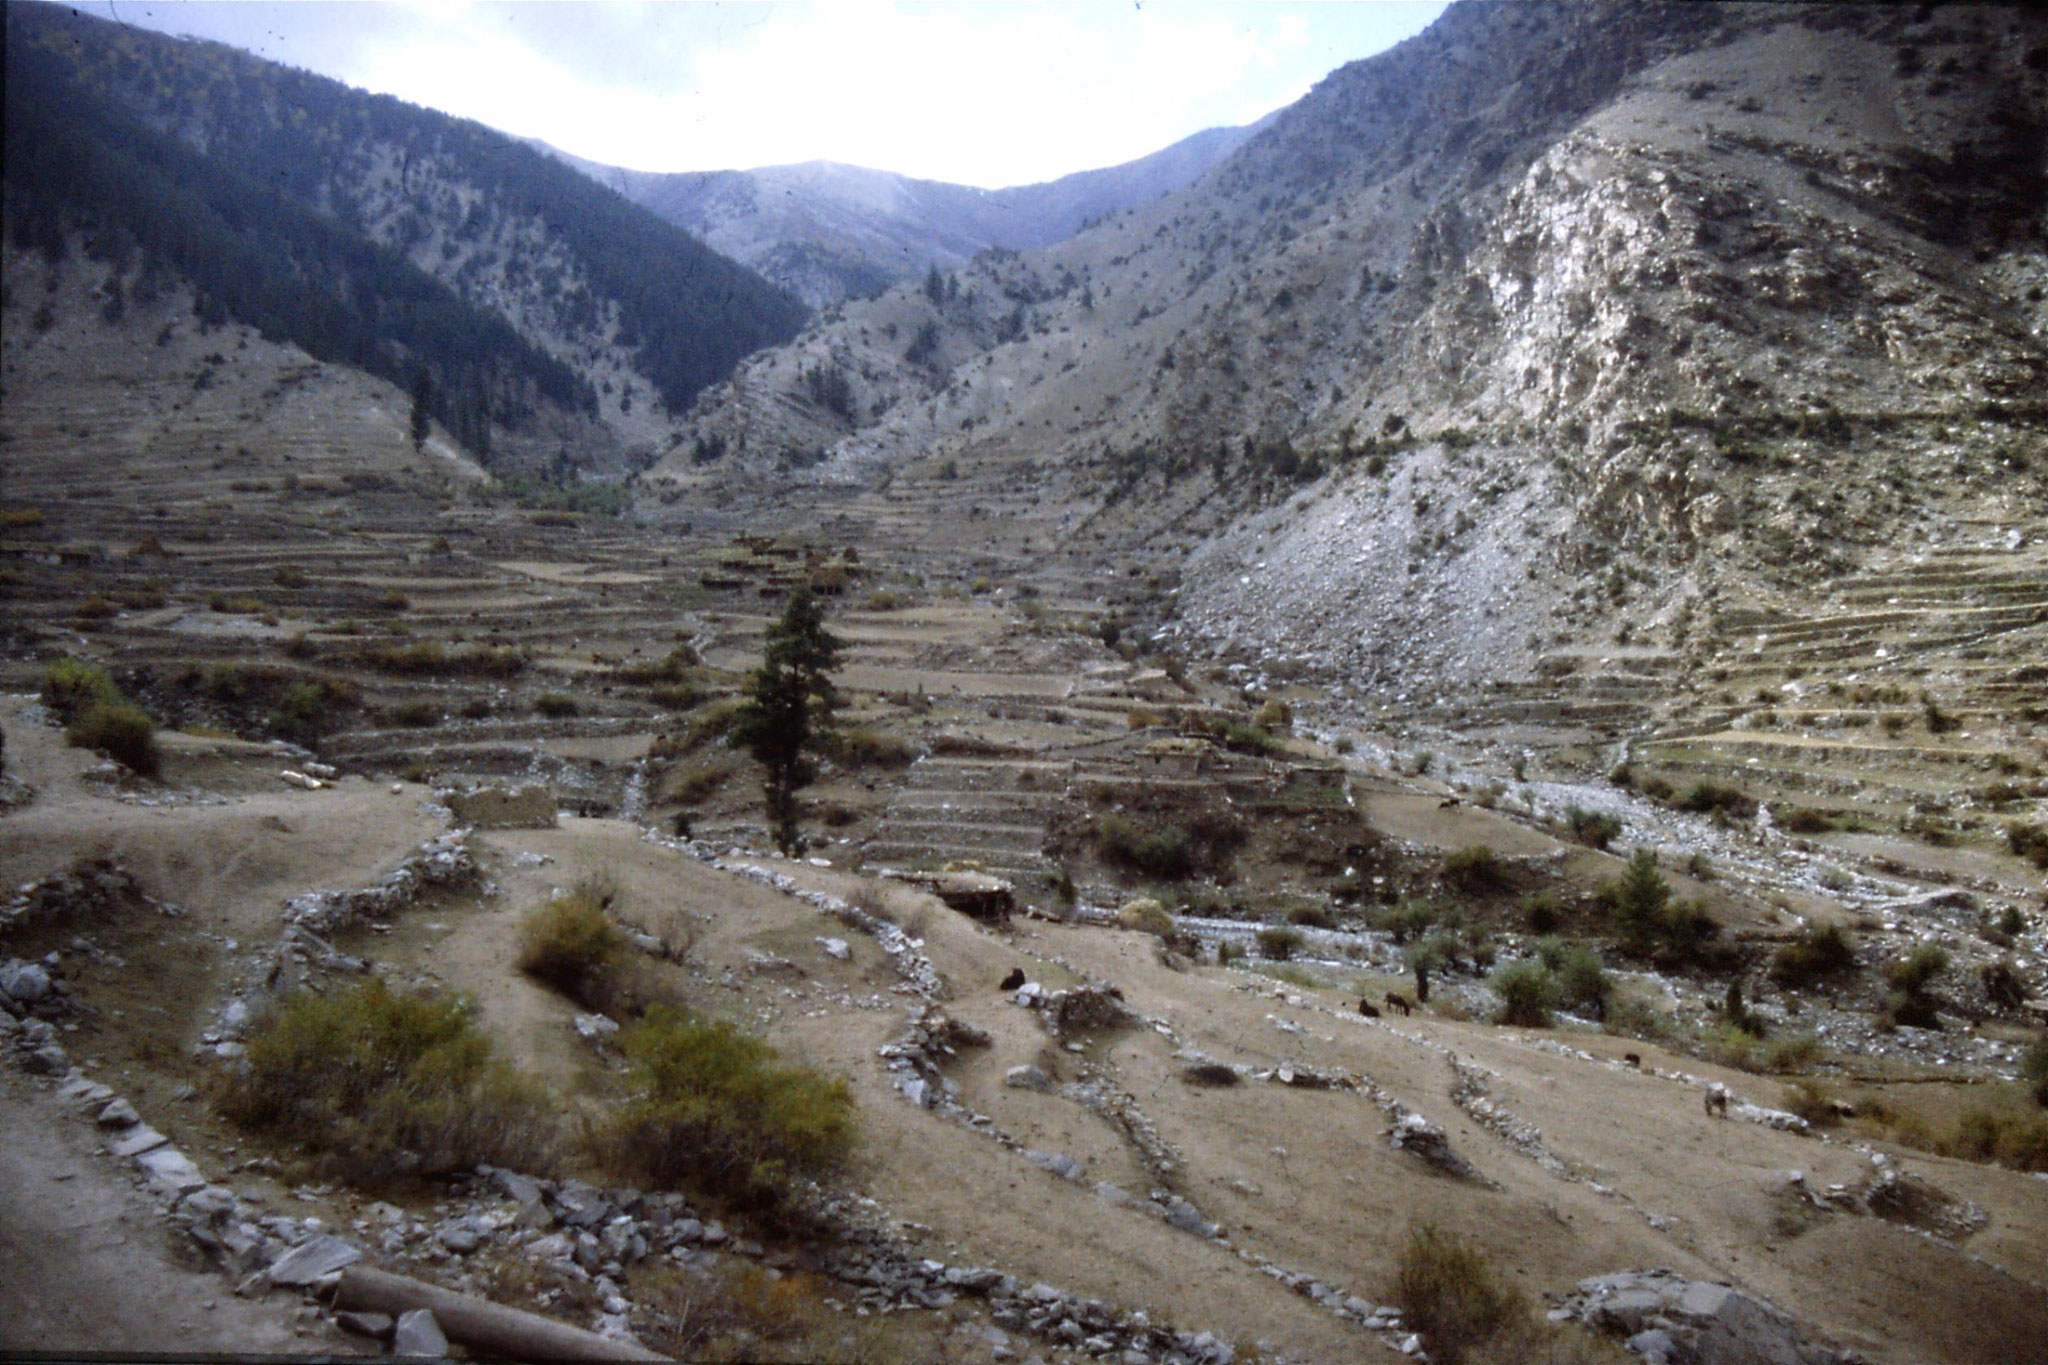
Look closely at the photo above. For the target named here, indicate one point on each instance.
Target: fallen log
(479, 1324)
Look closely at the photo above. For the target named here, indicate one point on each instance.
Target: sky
(988, 94)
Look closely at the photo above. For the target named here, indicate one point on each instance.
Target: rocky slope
(1543, 325)
(829, 232)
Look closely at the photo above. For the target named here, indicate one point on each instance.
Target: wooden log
(479, 1324)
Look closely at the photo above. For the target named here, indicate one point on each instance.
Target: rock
(209, 1202)
(836, 948)
(460, 1238)
(170, 1171)
(1027, 1078)
(1655, 1346)
(47, 1060)
(140, 1138)
(580, 1206)
(520, 1189)
(118, 1114)
(1185, 1216)
(312, 1260)
(596, 1029)
(375, 1325)
(25, 982)
(417, 1334)
(1058, 1163)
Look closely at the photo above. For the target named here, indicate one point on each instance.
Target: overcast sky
(987, 94)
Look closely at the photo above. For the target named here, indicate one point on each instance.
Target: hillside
(431, 235)
(1686, 300)
(828, 232)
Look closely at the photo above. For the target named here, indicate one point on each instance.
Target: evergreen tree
(788, 710)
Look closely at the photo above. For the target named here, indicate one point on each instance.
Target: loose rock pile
(1670, 1320)
(444, 863)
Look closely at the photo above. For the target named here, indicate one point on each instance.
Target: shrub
(569, 944)
(717, 1111)
(1449, 1294)
(429, 658)
(1915, 972)
(1819, 952)
(1707, 797)
(418, 714)
(2034, 1070)
(1805, 820)
(2015, 1140)
(1595, 829)
(119, 730)
(69, 686)
(1409, 919)
(1528, 992)
(1476, 869)
(1164, 853)
(1545, 911)
(863, 748)
(1582, 982)
(675, 696)
(1279, 943)
(1147, 916)
(556, 705)
(1311, 916)
(2029, 842)
(385, 1085)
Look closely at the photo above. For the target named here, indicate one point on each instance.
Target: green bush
(2034, 1070)
(718, 1112)
(1528, 992)
(382, 1085)
(569, 944)
(1595, 829)
(1477, 870)
(1279, 943)
(69, 686)
(863, 748)
(1449, 1294)
(1545, 911)
(1819, 952)
(1409, 919)
(1915, 972)
(556, 705)
(2029, 842)
(122, 732)
(1164, 853)
(1717, 799)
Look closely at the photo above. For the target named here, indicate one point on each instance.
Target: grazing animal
(1632, 1058)
(1717, 1100)
(1397, 1001)
(1013, 980)
(1366, 1008)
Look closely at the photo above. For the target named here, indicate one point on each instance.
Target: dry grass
(570, 945)
(381, 1086)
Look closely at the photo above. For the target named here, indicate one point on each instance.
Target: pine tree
(788, 710)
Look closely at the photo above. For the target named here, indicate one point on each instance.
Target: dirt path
(90, 1264)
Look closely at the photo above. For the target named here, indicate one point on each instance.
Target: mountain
(375, 233)
(1556, 324)
(828, 232)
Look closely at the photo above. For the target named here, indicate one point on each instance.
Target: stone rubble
(1669, 1320)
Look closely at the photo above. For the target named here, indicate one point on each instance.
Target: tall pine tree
(787, 715)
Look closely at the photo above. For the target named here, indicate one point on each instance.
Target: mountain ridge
(830, 231)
